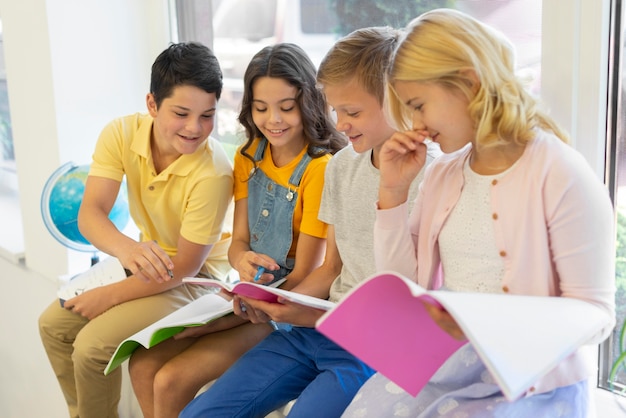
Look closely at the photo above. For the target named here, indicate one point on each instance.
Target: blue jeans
(286, 365)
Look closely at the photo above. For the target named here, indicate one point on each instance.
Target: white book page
(107, 271)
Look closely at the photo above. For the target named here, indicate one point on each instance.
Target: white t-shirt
(349, 204)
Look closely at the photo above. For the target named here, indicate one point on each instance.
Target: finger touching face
(440, 111)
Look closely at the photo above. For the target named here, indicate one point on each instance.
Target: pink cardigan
(554, 226)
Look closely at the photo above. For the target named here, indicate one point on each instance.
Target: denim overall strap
(270, 213)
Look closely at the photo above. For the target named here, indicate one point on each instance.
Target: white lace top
(467, 245)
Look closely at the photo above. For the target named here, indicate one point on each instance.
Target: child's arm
(92, 303)
(146, 259)
(316, 284)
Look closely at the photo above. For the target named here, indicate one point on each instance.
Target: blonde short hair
(363, 55)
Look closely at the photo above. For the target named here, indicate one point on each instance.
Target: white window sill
(609, 404)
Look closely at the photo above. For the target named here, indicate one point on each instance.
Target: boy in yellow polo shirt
(180, 186)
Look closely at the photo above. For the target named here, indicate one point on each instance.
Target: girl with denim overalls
(279, 171)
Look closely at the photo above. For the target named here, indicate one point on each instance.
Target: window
(257, 23)
(613, 353)
(317, 17)
(243, 27)
(11, 242)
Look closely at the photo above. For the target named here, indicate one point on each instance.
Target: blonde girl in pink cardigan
(511, 208)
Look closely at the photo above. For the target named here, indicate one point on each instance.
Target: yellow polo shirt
(190, 198)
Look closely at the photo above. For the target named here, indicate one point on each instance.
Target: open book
(107, 271)
(383, 322)
(263, 292)
(199, 312)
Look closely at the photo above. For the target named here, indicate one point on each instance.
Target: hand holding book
(262, 292)
(384, 322)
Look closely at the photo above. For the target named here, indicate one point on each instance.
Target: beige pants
(79, 349)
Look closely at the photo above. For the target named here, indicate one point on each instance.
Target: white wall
(72, 65)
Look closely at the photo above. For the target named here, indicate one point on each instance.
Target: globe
(60, 200)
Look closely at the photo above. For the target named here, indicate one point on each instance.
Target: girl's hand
(148, 261)
(445, 321)
(248, 266)
(401, 158)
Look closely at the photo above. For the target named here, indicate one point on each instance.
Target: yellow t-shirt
(309, 192)
(190, 198)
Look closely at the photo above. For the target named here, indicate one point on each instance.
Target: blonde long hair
(445, 46)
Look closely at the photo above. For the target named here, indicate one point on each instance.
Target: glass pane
(11, 238)
(255, 22)
(613, 361)
(243, 27)
(7, 156)
(316, 16)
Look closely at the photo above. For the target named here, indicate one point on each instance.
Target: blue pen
(259, 273)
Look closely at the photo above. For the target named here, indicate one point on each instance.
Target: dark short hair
(185, 63)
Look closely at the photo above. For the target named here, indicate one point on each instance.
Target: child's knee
(88, 355)
(49, 326)
(167, 380)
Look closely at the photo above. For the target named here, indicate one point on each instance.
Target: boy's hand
(221, 324)
(91, 303)
(149, 262)
(284, 311)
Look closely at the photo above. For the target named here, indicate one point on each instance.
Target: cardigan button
(151, 188)
(265, 213)
(503, 253)
(505, 289)
(495, 216)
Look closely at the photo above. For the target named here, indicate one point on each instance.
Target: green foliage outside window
(617, 375)
(355, 14)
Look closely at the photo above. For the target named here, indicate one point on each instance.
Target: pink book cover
(263, 292)
(385, 338)
(520, 338)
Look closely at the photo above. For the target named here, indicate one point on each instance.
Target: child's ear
(473, 81)
(151, 104)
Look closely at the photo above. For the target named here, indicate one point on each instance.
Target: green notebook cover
(199, 312)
